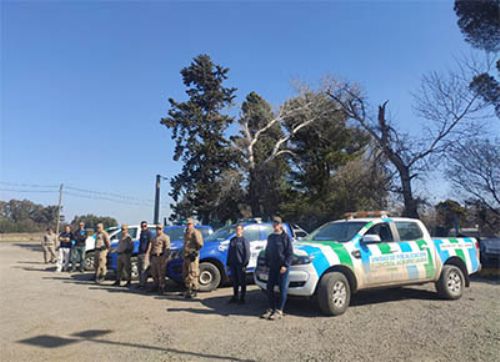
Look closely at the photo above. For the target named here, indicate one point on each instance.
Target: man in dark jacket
(65, 244)
(142, 258)
(279, 254)
(238, 257)
(78, 251)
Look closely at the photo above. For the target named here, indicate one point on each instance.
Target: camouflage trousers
(100, 263)
(158, 268)
(191, 273)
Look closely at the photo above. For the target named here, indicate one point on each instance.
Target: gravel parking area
(59, 316)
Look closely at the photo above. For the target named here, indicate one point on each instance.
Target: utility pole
(59, 206)
(157, 200)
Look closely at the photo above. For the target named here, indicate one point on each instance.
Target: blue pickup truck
(175, 232)
(213, 255)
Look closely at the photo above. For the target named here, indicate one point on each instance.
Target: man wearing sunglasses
(142, 258)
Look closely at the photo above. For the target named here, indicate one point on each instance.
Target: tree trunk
(409, 201)
(253, 197)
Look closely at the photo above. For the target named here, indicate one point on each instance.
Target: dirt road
(50, 316)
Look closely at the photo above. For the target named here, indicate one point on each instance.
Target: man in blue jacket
(142, 258)
(279, 254)
(238, 257)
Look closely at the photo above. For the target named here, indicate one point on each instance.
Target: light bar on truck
(360, 214)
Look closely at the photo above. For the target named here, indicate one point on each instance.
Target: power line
(27, 185)
(108, 194)
(92, 197)
(29, 191)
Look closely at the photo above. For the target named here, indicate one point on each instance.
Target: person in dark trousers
(238, 257)
(142, 258)
(78, 251)
(279, 254)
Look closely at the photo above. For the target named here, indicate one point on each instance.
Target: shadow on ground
(256, 303)
(93, 336)
(30, 246)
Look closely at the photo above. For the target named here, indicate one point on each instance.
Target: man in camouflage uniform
(102, 245)
(158, 253)
(124, 250)
(49, 245)
(193, 242)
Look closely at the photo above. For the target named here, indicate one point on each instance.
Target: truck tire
(451, 283)
(334, 294)
(90, 261)
(210, 277)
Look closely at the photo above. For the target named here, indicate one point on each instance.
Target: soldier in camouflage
(193, 242)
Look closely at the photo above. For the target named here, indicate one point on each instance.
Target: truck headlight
(301, 259)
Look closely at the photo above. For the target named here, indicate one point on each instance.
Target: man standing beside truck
(193, 242)
(158, 253)
(102, 245)
(238, 257)
(278, 254)
(142, 259)
(78, 251)
(124, 250)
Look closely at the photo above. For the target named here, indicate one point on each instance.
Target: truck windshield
(337, 231)
(221, 234)
(175, 233)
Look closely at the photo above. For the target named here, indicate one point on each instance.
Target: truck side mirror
(371, 238)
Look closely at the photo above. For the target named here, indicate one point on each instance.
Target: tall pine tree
(198, 126)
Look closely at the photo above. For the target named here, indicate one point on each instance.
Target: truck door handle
(356, 253)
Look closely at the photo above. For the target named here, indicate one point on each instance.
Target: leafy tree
(449, 215)
(330, 171)
(198, 127)
(264, 175)
(479, 21)
(25, 216)
(92, 220)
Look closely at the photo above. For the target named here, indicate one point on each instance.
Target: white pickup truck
(371, 250)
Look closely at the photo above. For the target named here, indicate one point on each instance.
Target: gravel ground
(50, 316)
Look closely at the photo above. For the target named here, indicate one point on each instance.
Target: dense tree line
(27, 216)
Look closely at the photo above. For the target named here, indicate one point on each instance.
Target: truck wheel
(451, 283)
(334, 294)
(134, 268)
(89, 261)
(210, 277)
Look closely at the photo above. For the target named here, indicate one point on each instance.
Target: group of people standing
(67, 251)
(154, 252)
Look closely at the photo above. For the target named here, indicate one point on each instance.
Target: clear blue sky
(84, 84)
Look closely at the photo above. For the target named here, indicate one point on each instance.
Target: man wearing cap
(124, 250)
(278, 254)
(78, 251)
(48, 246)
(142, 259)
(102, 245)
(193, 242)
(158, 253)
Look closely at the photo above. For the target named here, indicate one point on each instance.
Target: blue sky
(84, 84)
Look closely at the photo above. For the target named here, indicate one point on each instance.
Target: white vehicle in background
(114, 235)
